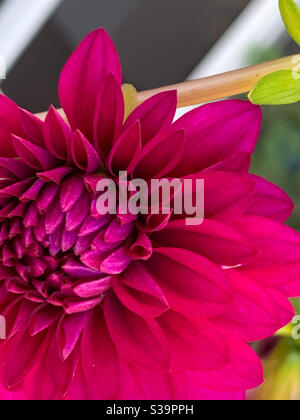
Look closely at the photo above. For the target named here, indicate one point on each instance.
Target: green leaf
(290, 13)
(279, 88)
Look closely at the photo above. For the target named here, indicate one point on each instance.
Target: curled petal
(116, 262)
(154, 114)
(32, 127)
(116, 232)
(78, 270)
(160, 156)
(68, 333)
(84, 155)
(75, 306)
(57, 134)
(16, 167)
(125, 149)
(66, 368)
(141, 248)
(42, 318)
(17, 364)
(71, 190)
(92, 288)
(139, 292)
(33, 155)
(55, 175)
(78, 214)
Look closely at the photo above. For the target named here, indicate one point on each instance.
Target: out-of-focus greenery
(277, 156)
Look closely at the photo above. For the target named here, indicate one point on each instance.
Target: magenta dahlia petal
(71, 190)
(158, 158)
(208, 293)
(160, 384)
(15, 168)
(16, 368)
(64, 367)
(270, 201)
(256, 313)
(116, 262)
(32, 127)
(34, 156)
(16, 313)
(234, 191)
(100, 360)
(140, 293)
(57, 134)
(154, 115)
(244, 371)
(44, 316)
(278, 244)
(82, 76)
(92, 288)
(125, 149)
(109, 114)
(9, 124)
(216, 131)
(216, 241)
(68, 333)
(141, 248)
(84, 155)
(207, 348)
(139, 340)
(275, 275)
(239, 162)
(290, 289)
(55, 175)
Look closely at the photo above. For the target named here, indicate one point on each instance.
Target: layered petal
(206, 293)
(140, 341)
(244, 371)
(155, 114)
(214, 240)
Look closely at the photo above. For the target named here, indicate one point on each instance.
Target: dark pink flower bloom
(118, 307)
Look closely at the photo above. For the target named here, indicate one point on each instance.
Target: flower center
(57, 248)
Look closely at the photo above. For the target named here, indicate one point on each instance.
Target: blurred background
(162, 42)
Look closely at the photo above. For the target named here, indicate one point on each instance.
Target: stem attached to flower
(220, 86)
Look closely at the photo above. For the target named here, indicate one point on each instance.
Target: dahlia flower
(136, 307)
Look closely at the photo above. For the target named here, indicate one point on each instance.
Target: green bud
(279, 88)
(290, 13)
